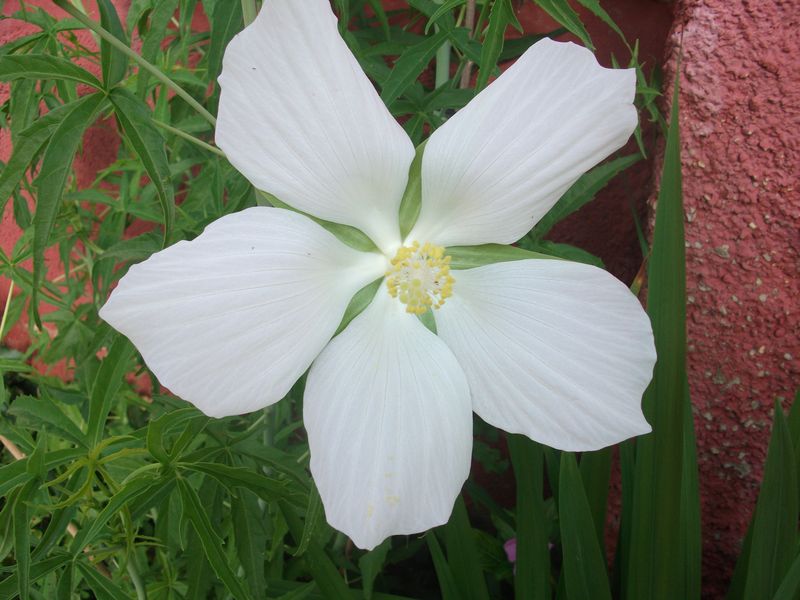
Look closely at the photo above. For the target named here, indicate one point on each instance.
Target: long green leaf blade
(44, 66)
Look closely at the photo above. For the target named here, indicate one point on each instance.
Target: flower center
(419, 276)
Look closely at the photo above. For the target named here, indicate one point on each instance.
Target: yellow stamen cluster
(420, 278)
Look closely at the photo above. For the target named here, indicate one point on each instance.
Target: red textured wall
(740, 118)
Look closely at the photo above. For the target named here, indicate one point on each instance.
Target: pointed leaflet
(53, 176)
(584, 568)
(562, 12)
(774, 541)
(135, 120)
(113, 61)
(655, 567)
(106, 385)
(44, 66)
(501, 17)
(532, 578)
(409, 65)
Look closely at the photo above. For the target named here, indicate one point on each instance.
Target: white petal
(389, 425)
(299, 118)
(559, 351)
(230, 320)
(495, 168)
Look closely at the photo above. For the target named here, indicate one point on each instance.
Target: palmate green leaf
(774, 542)
(26, 146)
(103, 587)
(193, 510)
(52, 179)
(562, 12)
(146, 140)
(9, 587)
(44, 66)
(657, 561)
(43, 411)
(113, 62)
(92, 528)
(500, 18)
(106, 385)
(582, 192)
(409, 65)
(532, 578)
(584, 568)
(462, 554)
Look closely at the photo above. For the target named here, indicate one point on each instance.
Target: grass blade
(462, 554)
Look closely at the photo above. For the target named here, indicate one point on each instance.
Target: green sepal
(469, 257)
(348, 235)
(360, 301)
(412, 198)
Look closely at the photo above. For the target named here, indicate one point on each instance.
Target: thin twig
(469, 23)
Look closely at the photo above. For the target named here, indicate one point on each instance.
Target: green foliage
(125, 492)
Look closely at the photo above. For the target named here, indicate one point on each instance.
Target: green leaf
(462, 554)
(657, 562)
(773, 545)
(251, 538)
(90, 530)
(790, 586)
(584, 568)
(266, 487)
(106, 385)
(445, 8)
(314, 516)
(159, 21)
(157, 430)
(691, 542)
(27, 145)
(44, 66)
(9, 587)
(134, 119)
(596, 476)
(563, 251)
(103, 587)
(600, 13)
(532, 579)
(53, 175)
(409, 65)
(45, 411)
(500, 18)
(412, 197)
(22, 544)
(114, 62)
(226, 21)
(370, 565)
(447, 582)
(561, 11)
(582, 192)
(193, 510)
(469, 257)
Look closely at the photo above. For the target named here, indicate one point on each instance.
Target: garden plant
(310, 313)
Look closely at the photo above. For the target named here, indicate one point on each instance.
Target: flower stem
(189, 137)
(152, 69)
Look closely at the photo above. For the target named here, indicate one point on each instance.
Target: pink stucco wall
(740, 105)
(740, 117)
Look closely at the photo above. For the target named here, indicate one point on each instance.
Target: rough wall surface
(740, 118)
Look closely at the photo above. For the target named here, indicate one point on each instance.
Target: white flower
(556, 350)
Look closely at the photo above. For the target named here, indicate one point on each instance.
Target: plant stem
(469, 23)
(152, 69)
(5, 310)
(189, 137)
(442, 60)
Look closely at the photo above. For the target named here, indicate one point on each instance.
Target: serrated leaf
(562, 12)
(103, 587)
(113, 62)
(193, 510)
(146, 140)
(52, 178)
(501, 16)
(409, 65)
(44, 66)
(106, 385)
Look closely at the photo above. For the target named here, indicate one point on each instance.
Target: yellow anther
(420, 277)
